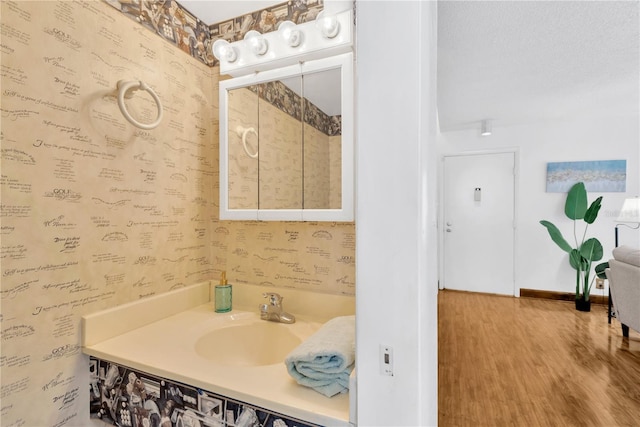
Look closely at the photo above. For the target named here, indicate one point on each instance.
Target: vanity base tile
(130, 398)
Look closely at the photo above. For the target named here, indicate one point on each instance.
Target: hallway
(507, 361)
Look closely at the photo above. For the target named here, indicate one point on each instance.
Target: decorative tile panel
(130, 398)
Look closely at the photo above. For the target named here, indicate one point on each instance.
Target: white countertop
(166, 347)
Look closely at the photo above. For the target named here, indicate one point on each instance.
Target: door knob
(448, 224)
(448, 230)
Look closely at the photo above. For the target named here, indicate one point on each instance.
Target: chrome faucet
(272, 311)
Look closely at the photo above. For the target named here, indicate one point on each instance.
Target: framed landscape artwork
(600, 176)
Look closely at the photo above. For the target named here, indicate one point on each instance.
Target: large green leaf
(592, 250)
(592, 212)
(576, 205)
(577, 261)
(556, 236)
(600, 268)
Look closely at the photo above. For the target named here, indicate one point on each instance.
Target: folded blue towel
(325, 360)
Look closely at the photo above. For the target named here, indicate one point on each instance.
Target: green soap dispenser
(223, 295)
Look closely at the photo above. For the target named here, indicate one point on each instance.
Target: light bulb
(222, 50)
(485, 128)
(328, 25)
(290, 33)
(256, 42)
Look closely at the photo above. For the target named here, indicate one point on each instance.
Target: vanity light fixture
(256, 42)
(328, 25)
(290, 33)
(290, 45)
(485, 128)
(223, 51)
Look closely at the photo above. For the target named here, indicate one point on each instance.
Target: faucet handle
(274, 298)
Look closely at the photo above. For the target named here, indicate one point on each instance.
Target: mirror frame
(347, 212)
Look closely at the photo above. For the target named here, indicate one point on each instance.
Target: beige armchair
(624, 281)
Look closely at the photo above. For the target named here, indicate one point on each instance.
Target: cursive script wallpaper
(96, 212)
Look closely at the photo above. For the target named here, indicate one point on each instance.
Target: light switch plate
(386, 360)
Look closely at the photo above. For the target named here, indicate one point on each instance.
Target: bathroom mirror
(286, 143)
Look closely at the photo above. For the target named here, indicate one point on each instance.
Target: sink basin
(254, 344)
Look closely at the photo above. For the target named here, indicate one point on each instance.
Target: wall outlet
(599, 283)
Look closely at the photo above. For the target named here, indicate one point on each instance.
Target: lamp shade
(630, 211)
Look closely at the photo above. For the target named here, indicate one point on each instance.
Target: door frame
(516, 178)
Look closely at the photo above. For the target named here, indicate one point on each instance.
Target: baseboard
(563, 296)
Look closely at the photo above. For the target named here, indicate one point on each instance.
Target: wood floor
(507, 361)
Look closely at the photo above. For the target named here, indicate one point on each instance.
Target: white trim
(346, 212)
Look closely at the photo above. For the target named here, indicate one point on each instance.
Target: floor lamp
(629, 217)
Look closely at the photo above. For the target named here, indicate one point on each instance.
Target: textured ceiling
(521, 61)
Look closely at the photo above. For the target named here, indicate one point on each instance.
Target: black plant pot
(582, 305)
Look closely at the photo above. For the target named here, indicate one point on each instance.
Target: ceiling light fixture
(485, 128)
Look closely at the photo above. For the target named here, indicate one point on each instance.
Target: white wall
(540, 264)
(396, 289)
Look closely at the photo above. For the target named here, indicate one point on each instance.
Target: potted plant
(585, 252)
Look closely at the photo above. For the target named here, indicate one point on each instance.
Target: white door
(478, 240)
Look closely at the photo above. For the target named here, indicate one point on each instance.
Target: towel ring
(242, 133)
(124, 89)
